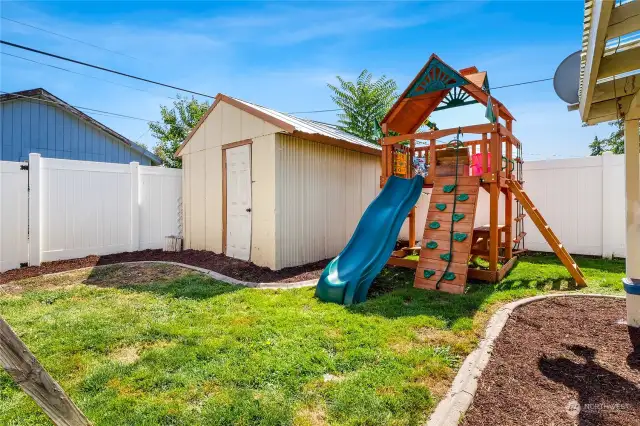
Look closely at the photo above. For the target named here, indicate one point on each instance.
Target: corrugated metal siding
(38, 127)
(321, 193)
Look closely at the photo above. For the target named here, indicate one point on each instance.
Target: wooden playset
(457, 171)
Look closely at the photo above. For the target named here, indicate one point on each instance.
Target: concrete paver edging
(212, 274)
(459, 397)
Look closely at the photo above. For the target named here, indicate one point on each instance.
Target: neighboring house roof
(43, 95)
(296, 126)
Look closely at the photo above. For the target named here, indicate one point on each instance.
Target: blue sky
(283, 54)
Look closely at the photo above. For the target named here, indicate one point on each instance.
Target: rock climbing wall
(444, 253)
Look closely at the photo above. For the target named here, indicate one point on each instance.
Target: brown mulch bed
(561, 361)
(230, 267)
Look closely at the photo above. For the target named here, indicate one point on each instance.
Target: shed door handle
(248, 210)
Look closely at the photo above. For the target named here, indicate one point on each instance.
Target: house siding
(39, 127)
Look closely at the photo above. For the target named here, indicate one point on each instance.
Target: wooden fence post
(34, 380)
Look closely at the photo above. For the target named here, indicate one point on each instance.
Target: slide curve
(347, 278)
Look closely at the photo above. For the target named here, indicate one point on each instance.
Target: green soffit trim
(456, 98)
(437, 76)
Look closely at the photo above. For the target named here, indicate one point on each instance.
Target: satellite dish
(566, 81)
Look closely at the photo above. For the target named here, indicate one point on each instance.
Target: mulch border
(234, 268)
(460, 395)
(212, 274)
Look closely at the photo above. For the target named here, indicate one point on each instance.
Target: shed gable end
(225, 124)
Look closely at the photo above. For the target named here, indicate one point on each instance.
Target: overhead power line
(96, 111)
(85, 75)
(67, 37)
(64, 58)
(493, 88)
(523, 83)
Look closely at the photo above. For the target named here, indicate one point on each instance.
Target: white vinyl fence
(582, 199)
(13, 215)
(79, 208)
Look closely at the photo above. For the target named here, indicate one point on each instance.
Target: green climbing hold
(428, 273)
(457, 217)
(446, 257)
(459, 236)
(434, 225)
(441, 206)
(432, 245)
(449, 276)
(462, 197)
(448, 188)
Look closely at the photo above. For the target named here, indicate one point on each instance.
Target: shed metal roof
(311, 126)
(296, 126)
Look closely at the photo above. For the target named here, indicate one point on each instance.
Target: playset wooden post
(450, 238)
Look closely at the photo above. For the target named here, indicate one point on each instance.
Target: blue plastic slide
(347, 278)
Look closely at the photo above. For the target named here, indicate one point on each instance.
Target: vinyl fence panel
(582, 199)
(80, 208)
(159, 194)
(85, 209)
(569, 194)
(13, 215)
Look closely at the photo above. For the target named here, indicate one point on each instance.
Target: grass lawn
(159, 345)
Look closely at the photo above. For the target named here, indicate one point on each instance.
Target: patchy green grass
(189, 350)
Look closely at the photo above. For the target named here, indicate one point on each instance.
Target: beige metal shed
(275, 189)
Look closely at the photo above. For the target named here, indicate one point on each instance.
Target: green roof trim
(436, 77)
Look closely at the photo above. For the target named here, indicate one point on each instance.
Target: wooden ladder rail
(547, 233)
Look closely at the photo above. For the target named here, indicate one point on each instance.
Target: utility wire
(64, 58)
(85, 75)
(493, 88)
(67, 37)
(198, 93)
(97, 111)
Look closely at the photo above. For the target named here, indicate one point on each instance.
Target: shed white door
(239, 202)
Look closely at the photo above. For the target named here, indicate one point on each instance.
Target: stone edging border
(460, 395)
(212, 274)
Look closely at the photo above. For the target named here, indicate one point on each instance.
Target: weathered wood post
(34, 380)
(632, 173)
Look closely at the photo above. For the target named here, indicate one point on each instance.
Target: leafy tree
(176, 124)
(364, 104)
(614, 143)
(597, 147)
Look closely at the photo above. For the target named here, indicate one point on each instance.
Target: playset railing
(492, 153)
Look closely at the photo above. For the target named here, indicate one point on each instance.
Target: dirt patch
(130, 354)
(126, 355)
(52, 282)
(119, 275)
(561, 361)
(107, 276)
(234, 268)
(310, 416)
